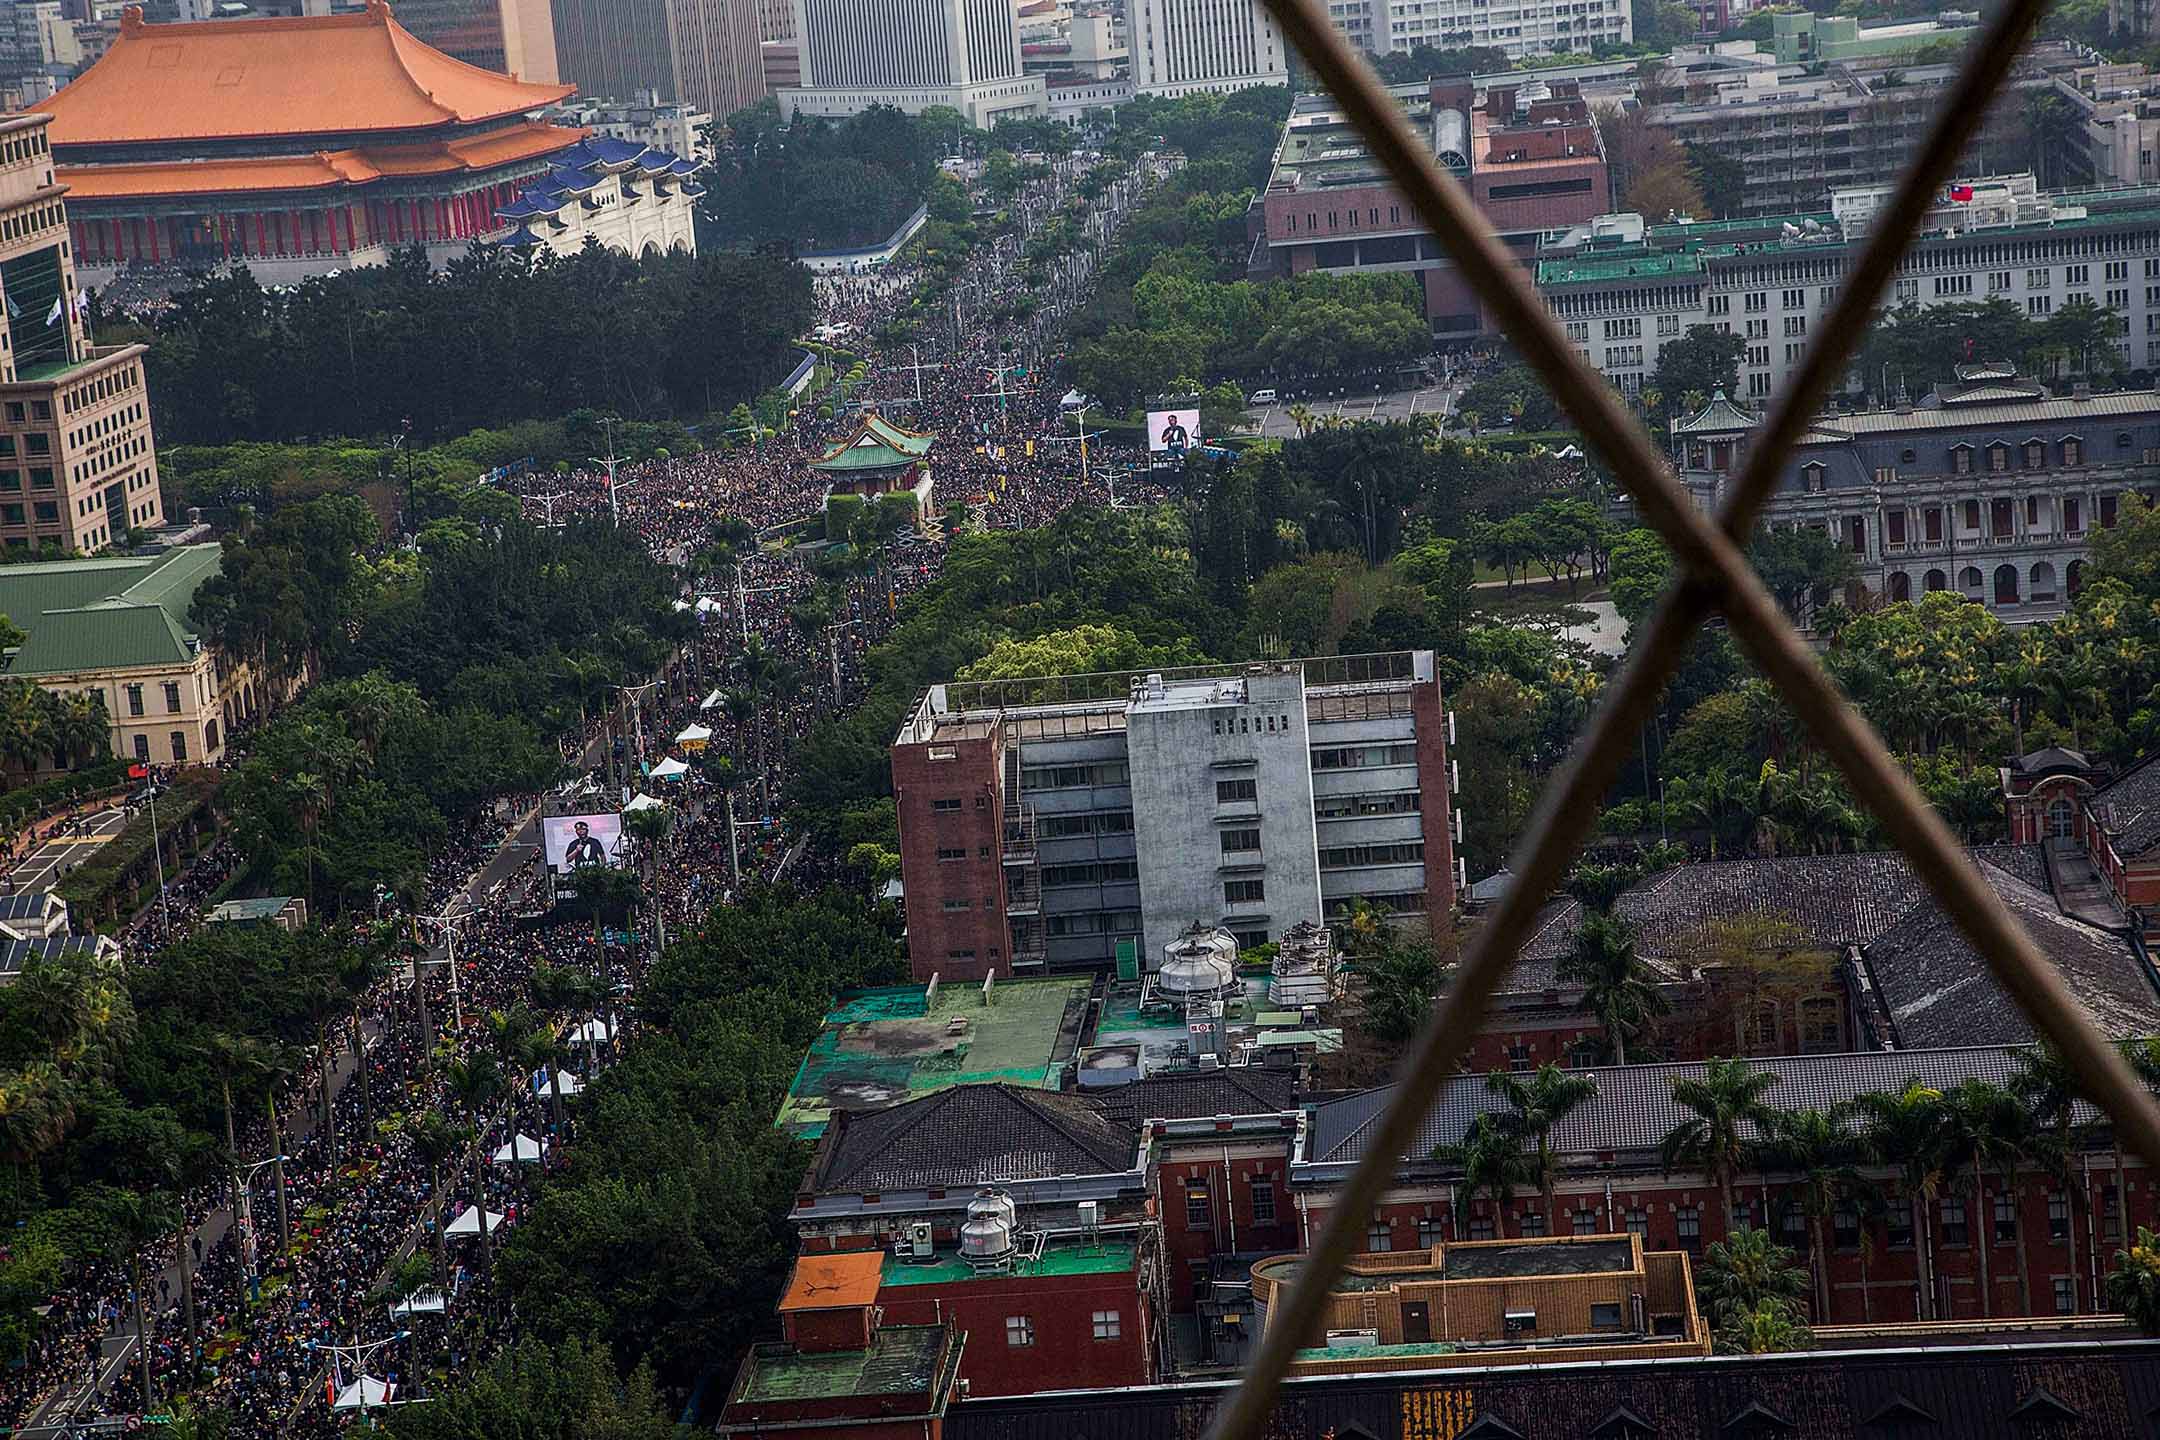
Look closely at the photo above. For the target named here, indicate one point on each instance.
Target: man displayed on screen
(1174, 437)
(584, 850)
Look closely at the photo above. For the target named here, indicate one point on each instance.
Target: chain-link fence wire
(1715, 576)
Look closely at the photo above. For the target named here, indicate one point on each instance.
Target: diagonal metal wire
(1714, 576)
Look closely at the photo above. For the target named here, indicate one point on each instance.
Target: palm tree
(435, 1140)
(2049, 1089)
(1535, 1106)
(1492, 1164)
(1725, 1100)
(129, 1222)
(721, 772)
(1984, 1127)
(1904, 1128)
(1617, 986)
(476, 1083)
(1816, 1147)
(408, 1277)
(2133, 1286)
(540, 1048)
(82, 728)
(1746, 1269)
(1767, 1329)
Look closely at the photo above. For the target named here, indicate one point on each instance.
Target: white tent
(681, 605)
(643, 802)
(711, 701)
(593, 1031)
(670, 769)
(468, 1222)
(425, 1302)
(519, 1149)
(694, 735)
(708, 606)
(571, 1085)
(366, 1393)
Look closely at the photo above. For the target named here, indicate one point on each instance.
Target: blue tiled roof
(522, 239)
(527, 206)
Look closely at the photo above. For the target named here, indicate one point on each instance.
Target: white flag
(53, 315)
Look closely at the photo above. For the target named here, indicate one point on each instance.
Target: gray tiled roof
(2130, 809)
(1200, 1095)
(1939, 991)
(2061, 416)
(1634, 1108)
(1836, 900)
(971, 1135)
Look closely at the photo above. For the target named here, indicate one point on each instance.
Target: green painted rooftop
(901, 1360)
(98, 613)
(1375, 1352)
(1100, 1259)
(875, 445)
(884, 1046)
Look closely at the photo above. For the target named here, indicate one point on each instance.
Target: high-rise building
(514, 37)
(1180, 46)
(703, 53)
(1076, 822)
(776, 20)
(77, 468)
(912, 54)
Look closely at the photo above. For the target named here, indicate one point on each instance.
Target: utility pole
(157, 847)
(637, 714)
(608, 463)
(547, 503)
(1080, 436)
(742, 601)
(449, 920)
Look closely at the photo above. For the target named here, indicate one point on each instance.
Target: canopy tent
(706, 605)
(571, 1085)
(681, 605)
(519, 1149)
(712, 701)
(468, 1222)
(593, 1031)
(694, 735)
(426, 1302)
(670, 769)
(643, 802)
(366, 1393)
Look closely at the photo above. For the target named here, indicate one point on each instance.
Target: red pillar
(152, 225)
(119, 239)
(224, 236)
(262, 234)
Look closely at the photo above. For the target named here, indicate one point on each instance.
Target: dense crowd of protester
(351, 1186)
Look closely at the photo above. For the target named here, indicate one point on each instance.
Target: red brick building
(2118, 828)
(1530, 155)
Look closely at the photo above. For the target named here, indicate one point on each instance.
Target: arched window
(1935, 580)
(1972, 583)
(2073, 450)
(1998, 457)
(2074, 577)
(1900, 585)
(2006, 585)
(2041, 584)
(2061, 818)
(2035, 454)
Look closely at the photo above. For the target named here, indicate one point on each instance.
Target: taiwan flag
(1961, 192)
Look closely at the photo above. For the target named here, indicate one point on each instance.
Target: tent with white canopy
(571, 1085)
(681, 605)
(519, 1150)
(709, 606)
(712, 701)
(694, 735)
(592, 1032)
(468, 1222)
(366, 1393)
(643, 802)
(425, 1302)
(670, 769)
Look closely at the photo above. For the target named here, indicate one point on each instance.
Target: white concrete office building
(912, 54)
(1182, 46)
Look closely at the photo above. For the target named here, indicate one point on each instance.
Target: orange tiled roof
(834, 1282)
(312, 172)
(310, 75)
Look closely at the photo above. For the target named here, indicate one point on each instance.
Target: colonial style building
(1987, 488)
(120, 628)
(1625, 288)
(295, 145)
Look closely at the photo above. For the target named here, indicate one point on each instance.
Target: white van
(1263, 397)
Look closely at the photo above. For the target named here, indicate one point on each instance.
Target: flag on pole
(52, 317)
